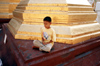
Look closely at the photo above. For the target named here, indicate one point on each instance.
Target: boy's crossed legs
(38, 44)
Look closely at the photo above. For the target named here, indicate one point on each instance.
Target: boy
(48, 36)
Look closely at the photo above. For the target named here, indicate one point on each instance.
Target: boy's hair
(47, 18)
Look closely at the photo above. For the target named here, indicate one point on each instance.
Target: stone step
(53, 11)
(72, 34)
(5, 10)
(6, 15)
(76, 29)
(73, 40)
(39, 21)
(10, 1)
(69, 8)
(24, 3)
(71, 17)
(4, 7)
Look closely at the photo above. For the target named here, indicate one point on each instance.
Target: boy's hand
(44, 38)
(45, 43)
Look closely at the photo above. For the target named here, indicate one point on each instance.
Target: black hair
(47, 18)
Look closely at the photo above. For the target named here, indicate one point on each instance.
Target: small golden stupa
(7, 7)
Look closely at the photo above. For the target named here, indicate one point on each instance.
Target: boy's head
(47, 22)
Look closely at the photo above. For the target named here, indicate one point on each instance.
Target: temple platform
(86, 53)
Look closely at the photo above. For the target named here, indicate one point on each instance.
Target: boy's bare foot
(34, 47)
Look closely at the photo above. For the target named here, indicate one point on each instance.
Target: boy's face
(47, 24)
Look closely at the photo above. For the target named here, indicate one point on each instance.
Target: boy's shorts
(42, 47)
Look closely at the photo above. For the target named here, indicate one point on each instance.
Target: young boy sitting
(48, 36)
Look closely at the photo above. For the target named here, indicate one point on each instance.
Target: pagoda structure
(73, 20)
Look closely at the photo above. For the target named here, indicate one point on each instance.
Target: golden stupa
(7, 7)
(73, 20)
